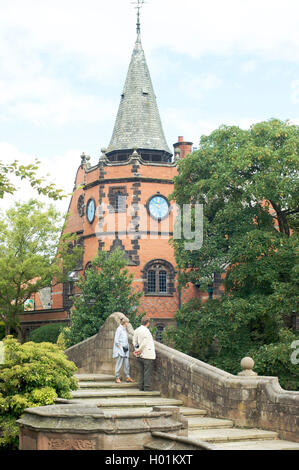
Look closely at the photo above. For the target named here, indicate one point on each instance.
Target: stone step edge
(183, 440)
(107, 384)
(206, 427)
(218, 439)
(133, 405)
(283, 444)
(95, 377)
(114, 395)
(194, 413)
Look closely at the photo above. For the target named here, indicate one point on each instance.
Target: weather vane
(139, 4)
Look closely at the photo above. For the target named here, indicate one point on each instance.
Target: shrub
(46, 333)
(32, 375)
(62, 341)
(9, 435)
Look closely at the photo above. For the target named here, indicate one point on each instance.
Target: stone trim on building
(130, 255)
(131, 179)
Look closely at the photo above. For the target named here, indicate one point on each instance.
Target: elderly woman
(121, 351)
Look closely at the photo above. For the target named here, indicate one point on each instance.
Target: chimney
(185, 147)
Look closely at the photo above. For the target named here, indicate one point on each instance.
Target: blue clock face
(158, 207)
(90, 210)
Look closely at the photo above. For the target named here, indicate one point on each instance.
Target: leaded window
(151, 281)
(159, 278)
(163, 281)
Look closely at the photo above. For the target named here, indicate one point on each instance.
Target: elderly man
(145, 352)
(121, 351)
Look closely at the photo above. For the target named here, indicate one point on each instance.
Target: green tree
(29, 173)
(32, 254)
(247, 181)
(106, 288)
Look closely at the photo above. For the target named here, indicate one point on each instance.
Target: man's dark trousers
(146, 373)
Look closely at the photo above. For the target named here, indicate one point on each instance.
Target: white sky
(63, 65)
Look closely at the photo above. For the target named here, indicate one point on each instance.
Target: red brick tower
(123, 201)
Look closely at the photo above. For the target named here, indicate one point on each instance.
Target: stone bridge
(194, 406)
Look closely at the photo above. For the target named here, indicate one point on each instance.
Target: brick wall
(143, 248)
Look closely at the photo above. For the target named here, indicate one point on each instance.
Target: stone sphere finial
(83, 159)
(247, 365)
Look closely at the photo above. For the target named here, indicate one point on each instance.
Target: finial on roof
(139, 4)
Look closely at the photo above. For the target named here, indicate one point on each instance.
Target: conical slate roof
(138, 124)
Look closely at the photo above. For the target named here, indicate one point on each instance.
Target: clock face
(91, 210)
(158, 207)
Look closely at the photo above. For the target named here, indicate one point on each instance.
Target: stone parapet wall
(95, 353)
(250, 401)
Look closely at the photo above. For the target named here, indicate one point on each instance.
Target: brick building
(123, 202)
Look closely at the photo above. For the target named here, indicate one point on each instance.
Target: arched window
(158, 276)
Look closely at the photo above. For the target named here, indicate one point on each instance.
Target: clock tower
(123, 201)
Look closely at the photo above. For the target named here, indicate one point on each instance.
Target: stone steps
(124, 410)
(207, 423)
(137, 402)
(111, 393)
(188, 411)
(100, 390)
(230, 434)
(95, 377)
(106, 384)
(164, 441)
(277, 444)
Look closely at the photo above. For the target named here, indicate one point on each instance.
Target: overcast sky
(63, 65)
